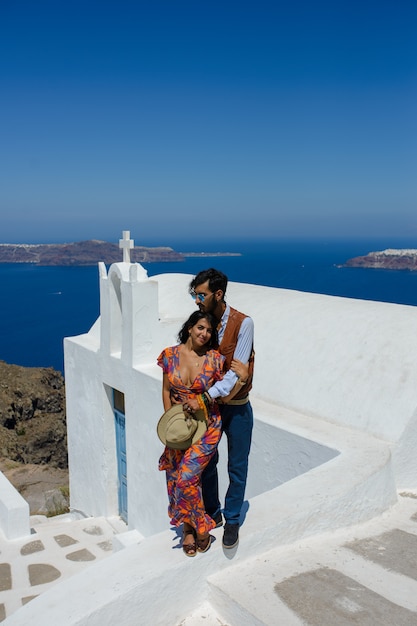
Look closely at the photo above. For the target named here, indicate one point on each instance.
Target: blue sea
(42, 305)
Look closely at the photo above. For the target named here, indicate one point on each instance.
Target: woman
(189, 369)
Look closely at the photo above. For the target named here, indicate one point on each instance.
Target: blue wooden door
(121, 462)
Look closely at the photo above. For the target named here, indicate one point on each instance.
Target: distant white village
(396, 252)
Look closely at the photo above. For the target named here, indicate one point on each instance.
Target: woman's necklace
(198, 356)
(194, 355)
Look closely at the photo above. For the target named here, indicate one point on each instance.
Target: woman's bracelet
(241, 382)
(203, 405)
(207, 400)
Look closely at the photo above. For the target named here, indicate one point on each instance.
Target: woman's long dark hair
(192, 321)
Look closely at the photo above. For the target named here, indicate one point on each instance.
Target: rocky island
(82, 253)
(91, 252)
(390, 259)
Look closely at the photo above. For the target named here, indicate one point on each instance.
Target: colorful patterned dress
(184, 467)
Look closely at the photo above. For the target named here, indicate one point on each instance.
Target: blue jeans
(237, 425)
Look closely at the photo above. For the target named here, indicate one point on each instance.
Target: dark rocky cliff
(32, 415)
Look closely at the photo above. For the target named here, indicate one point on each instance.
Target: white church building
(335, 407)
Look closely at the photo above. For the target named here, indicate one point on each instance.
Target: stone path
(58, 548)
(365, 575)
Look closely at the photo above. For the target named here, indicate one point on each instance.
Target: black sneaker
(231, 535)
(218, 519)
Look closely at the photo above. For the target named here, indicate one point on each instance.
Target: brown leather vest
(228, 346)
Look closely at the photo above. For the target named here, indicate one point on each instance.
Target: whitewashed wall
(346, 361)
(351, 362)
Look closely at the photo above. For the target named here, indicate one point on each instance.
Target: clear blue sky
(200, 120)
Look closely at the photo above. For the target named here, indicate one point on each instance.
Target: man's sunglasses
(200, 296)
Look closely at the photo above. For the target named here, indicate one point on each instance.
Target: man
(235, 330)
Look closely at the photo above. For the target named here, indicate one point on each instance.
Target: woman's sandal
(203, 544)
(189, 549)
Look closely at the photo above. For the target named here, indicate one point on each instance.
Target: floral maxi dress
(184, 467)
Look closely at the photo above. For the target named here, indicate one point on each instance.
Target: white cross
(126, 244)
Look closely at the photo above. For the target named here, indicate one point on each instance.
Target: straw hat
(179, 429)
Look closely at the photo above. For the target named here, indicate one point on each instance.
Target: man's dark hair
(193, 320)
(216, 280)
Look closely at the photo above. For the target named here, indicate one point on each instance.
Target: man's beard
(209, 309)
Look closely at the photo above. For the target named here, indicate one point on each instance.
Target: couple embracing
(208, 373)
